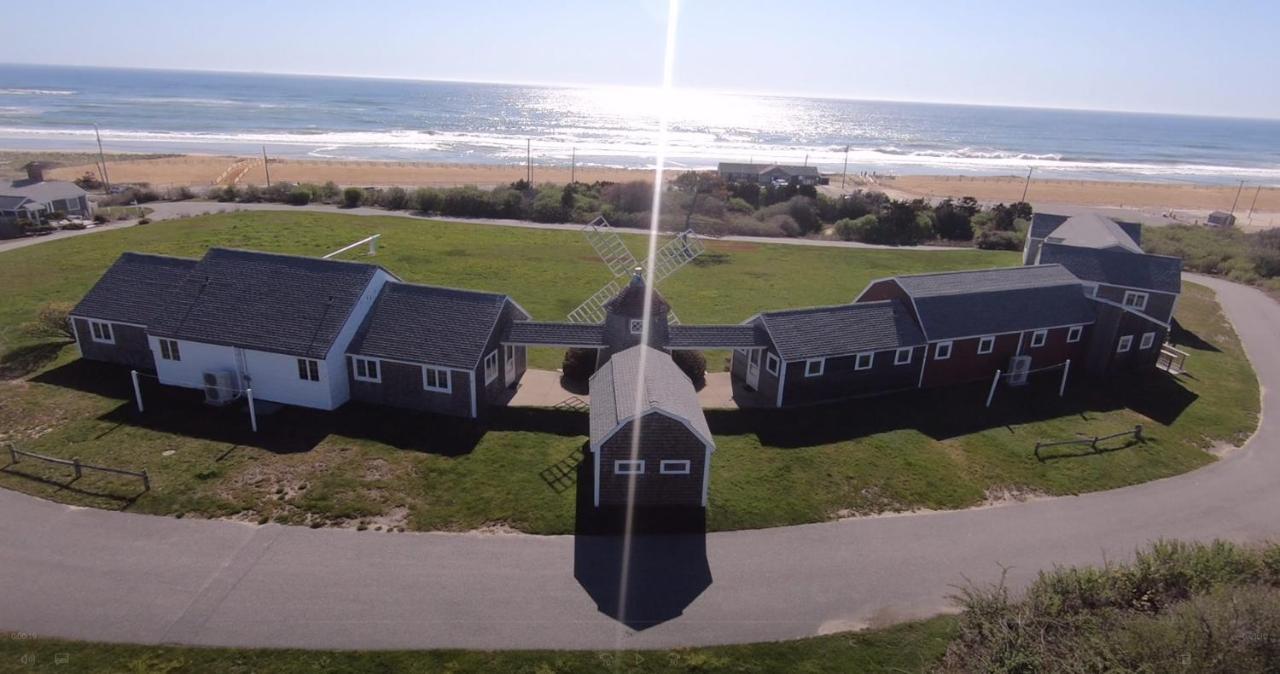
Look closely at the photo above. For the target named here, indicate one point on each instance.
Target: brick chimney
(35, 172)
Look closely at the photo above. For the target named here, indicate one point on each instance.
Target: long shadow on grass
(24, 360)
(666, 567)
(1185, 339)
(952, 412)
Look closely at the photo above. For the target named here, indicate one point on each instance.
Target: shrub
(548, 205)
(351, 197)
(465, 202)
(785, 224)
(228, 193)
(739, 205)
(329, 192)
(89, 181)
(426, 200)
(52, 321)
(693, 364)
(579, 365)
(633, 197)
(990, 239)
(298, 196)
(144, 221)
(855, 229)
(394, 198)
(99, 218)
(951, 220)
(251, 194)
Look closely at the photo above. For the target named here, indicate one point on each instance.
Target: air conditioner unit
(220, 387)
(1019, 368)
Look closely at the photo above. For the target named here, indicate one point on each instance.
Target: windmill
(673, 255)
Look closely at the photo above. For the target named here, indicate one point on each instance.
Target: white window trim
(1140, 300)
(312, 367)
(1148, 340)
(1038, 338)
(989, 341)
(628, 467)
(822, 366)
(1124, 344)
(491, 371)
(857, 360)
(771, 364)
(103, 327)
(898, 356)
(938, 350)
(675, 466)
(355, 369)
(169, 350)
(636, 326)
(441, 373)
(1074, 333)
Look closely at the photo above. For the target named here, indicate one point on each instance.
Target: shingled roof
(1148, 272)
(587, 335)
(264, 302)
(1043, 223)
(1093, 231)
(438, 326)
(820, 332)
(619, 383)
(716, 337)
(133, 288)
(630, 301)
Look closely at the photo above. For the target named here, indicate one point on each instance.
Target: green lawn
(381, 468)
(911, 647)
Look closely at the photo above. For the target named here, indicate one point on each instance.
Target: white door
(509, 356)
(753, 368)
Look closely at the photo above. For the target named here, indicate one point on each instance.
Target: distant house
(34, 199)
(280, 324)
(766, 174)
(436, 349)
(671, 464)
(110, 322)
(1220, 219)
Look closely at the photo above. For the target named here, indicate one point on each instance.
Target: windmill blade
(672, 319)
(592, 310)
(609, 246)
(676, 253)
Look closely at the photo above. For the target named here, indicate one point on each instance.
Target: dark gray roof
(1133, 229)
(716, 337)
(819, 332)
(986, 280)
(737, 167)
(264, 302)
(44, 192)
(1043, 223)
(556, 334)
(134, 288)
(432, 325)
(10, 203)
(1135, 270)
(619, 383)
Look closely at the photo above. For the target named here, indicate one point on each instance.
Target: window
(1135, 300)
(942, 351)
(491, 366)
(1148, 339)
(308, 369)
(367, 370)
(986, 345)
(637, 326)
(863, 361)
(674, 467)
(1124, 344)
(1038, 338)
(771, 364)
(169, 349)
(1073, 335)
(814, 366)
(628, 467)
(435, 379)
(902, 356)
(101, 332)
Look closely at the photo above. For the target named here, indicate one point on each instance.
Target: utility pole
(1027, 185)
(528, 161)
(264, 165)
(103, 158)
(806, 159)
(1255, 201)
(573, 166)
(1237, 199)
(844, 173)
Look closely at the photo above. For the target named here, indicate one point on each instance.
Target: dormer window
(637, 326)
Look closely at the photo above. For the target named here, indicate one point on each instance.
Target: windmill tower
(676, 253)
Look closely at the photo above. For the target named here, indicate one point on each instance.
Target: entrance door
(509, 356)
(753, 368)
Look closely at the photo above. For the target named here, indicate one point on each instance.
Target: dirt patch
(1221, 449)
(494, 529)
(1005, 495)
(376, 469)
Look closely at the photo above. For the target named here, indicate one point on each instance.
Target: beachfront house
(768, 174)
(34, 200)
(436, 349)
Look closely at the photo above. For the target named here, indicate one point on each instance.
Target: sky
(1215, 58)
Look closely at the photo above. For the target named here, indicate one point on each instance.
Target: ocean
(54, 108)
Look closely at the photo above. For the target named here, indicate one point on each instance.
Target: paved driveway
(91, 574)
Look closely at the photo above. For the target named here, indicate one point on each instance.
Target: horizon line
(582, 85)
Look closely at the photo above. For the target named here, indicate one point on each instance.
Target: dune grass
(385, 469)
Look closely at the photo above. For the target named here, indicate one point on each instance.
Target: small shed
(1221, 219)
(640, 393)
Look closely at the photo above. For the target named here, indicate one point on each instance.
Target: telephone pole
(1255, 201)
(844, 173)
(573, 166)
(1027, 185)
(264, 165)
(528, 161)
(1237, 199)
(103, 158)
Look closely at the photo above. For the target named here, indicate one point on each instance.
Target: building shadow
(1185, 339)
(90, 376)
(645, 579)
(24, 360)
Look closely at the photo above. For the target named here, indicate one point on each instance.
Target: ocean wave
(36, 92)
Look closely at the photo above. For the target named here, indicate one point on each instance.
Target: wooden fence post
(75, 464)
(13, 452)
(1137, 433)
(146, 480)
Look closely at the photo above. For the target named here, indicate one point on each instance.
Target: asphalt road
(91, 574)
